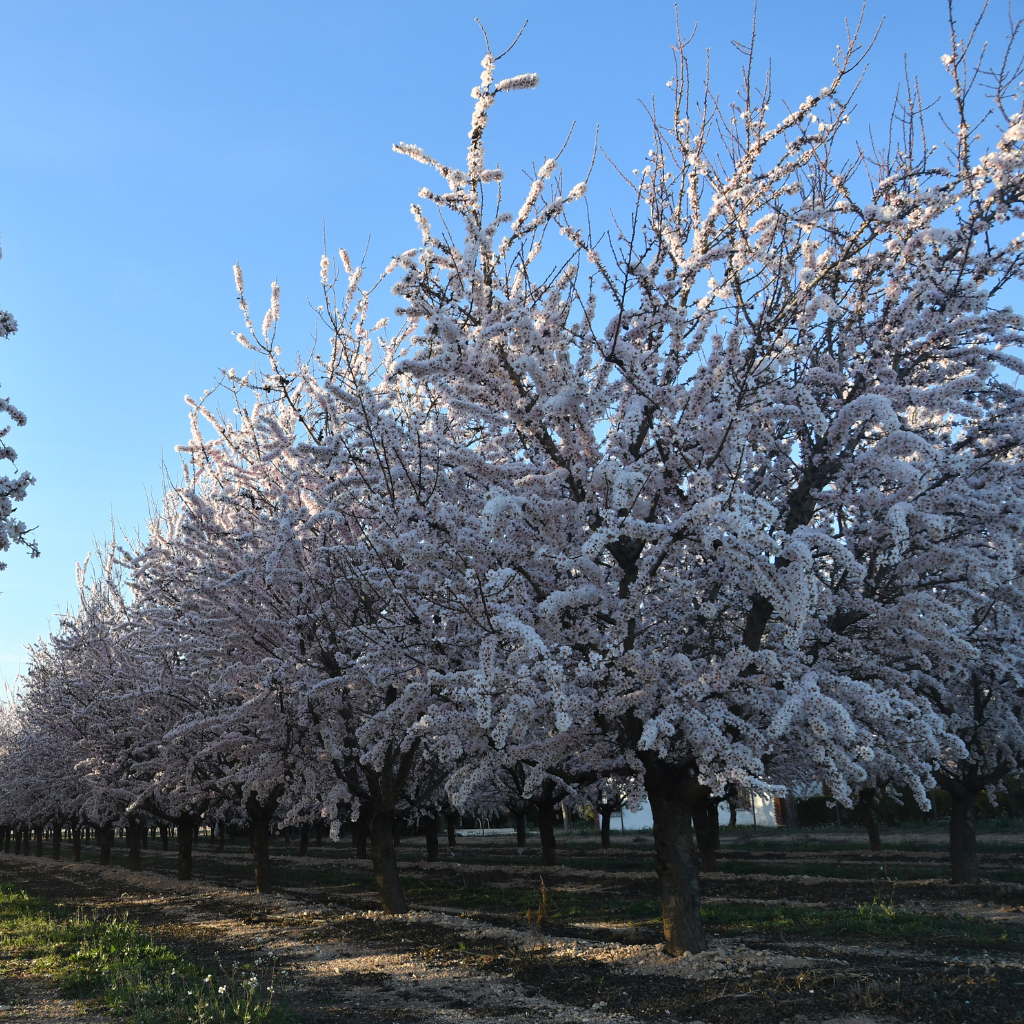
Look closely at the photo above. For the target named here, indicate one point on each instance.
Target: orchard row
(728, 496)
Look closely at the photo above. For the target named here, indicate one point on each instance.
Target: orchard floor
(805, 926)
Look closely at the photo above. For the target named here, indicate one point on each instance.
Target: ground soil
(466, 951)
(32, 1001)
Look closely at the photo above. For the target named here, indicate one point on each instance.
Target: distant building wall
(762, 815)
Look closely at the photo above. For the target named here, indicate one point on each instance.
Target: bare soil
(31, 1001)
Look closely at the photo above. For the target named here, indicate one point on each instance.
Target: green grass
(114, 964)
(877, 920)
(564, 906)
(868, 870)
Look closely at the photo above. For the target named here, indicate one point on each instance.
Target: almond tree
(212, 609)
(12, 489)
(85, 715)
(932, 507)
(275, 586)
(675, 500)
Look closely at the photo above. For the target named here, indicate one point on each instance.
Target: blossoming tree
(12, 488)
(675, 498)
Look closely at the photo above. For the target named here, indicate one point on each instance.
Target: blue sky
(147, 146)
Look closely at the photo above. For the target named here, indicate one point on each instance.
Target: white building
(763, 814)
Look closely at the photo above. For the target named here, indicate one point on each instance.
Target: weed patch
(113, 963)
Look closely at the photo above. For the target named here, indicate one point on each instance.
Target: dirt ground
(465, 952)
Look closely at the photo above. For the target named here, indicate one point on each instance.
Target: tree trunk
(520, 829)
(606, 828)
(7, 840)
(259, 841)
(359, 830)
(673, 792)
(867, 800)
(451, 819)
(963, 848)
(546, 818)
(185, 835)
(39, 841)
(56, 840)
(705, 823)
(144, 836)
(430, 831)
(790, 814)
(304, 840)
(318, 834)
(732, 814)
(165, 841)
(76, 843)
(221, 830)
(17, 842)
(105, 837)
(135, 833)
(385, 864)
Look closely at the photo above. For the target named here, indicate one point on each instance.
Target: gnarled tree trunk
(606, 828)
(304, 840)
(260, 816)
(359, 831)
(76, 843)
(673, 790)
(185, 834)
(705, 824)
(520, 817)
(57, 828)
(430, 831)
(451, 820)
(546, 820)
(165, 841)
(867, 802)
(105, 837)
(963, 846)
(135, 833)
(790, 814)
(385, 864)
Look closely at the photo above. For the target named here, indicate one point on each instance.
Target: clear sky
(147, 146)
